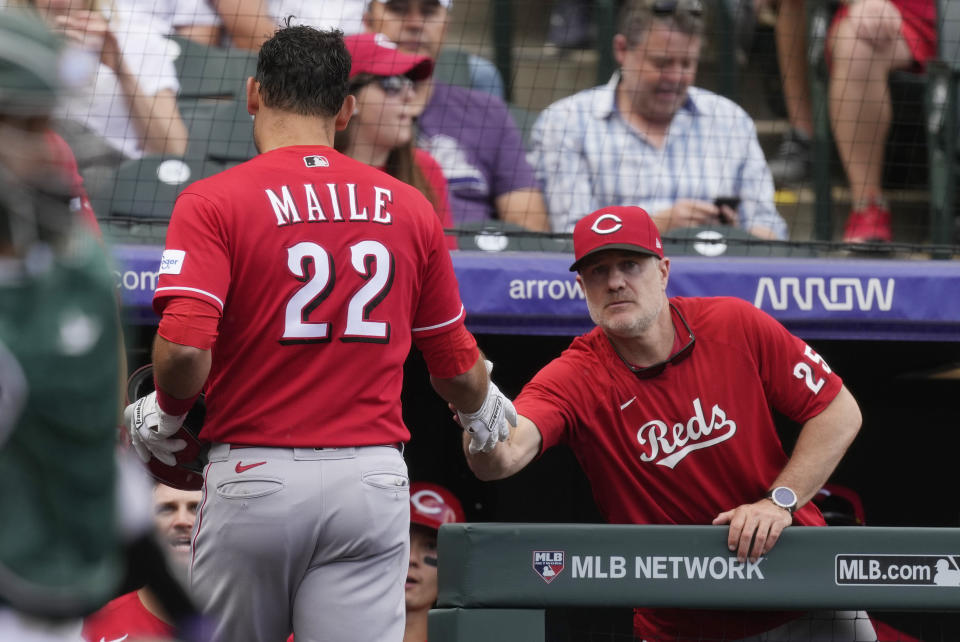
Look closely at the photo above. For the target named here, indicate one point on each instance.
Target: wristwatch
(783, 497)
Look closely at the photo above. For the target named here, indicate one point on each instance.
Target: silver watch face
(783, 496)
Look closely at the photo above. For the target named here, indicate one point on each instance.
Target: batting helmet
(432, 505)
(187, 474)
(841, 506)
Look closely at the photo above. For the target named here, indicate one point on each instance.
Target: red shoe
(869, 225)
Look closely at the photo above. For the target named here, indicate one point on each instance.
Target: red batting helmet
(841, 506)
(187, 474)
(432, 505)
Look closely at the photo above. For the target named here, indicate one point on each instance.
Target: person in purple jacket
(470, 133)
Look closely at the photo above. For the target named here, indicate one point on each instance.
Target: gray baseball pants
(310, 540)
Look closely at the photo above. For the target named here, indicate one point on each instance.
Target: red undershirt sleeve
(449, 354)
(189, 322)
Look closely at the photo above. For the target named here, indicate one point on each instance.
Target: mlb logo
(548, 564)
(316, 161)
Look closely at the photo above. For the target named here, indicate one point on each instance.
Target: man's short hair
(637, 16)
(304, 70)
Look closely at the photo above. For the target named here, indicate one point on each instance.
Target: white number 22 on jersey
(371, 260)
(804, 370)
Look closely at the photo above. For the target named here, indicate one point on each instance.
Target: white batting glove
(150, 430)
(489, 424)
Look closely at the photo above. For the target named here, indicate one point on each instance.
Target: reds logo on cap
(607, 224)
(616, 228)
(432, 505)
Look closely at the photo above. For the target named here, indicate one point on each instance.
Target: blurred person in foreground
(60, 355)
(381, 130)
(674, 424)
(470, 133)
(650, 138)
(140, 613)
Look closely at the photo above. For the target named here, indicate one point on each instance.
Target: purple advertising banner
(535, 293)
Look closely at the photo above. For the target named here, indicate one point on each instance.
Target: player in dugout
(140, 613)
(667, 406)
(291, 289)
(431, 506)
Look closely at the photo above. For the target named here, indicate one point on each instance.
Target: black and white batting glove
(150, 430)
(489, 424)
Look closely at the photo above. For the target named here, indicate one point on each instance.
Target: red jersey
(324, 270)
(692, 442)
(123, 617)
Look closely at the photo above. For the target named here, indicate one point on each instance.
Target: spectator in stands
(380, 132)
(248, 23)
(193, 19)
(431, 506)
(130, 103)
(650, 138)
(470, 133)
(140, 613)
(868, 40)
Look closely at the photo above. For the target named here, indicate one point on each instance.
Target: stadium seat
(146, 188)
(943, 129)
(223, 134)
(725, 240)
(497, 236)
(212, 72)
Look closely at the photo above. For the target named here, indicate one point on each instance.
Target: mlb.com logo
(548, 564)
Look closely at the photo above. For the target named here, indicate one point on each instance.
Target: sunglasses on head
(670, 7)
(676, 357)
(391, 85)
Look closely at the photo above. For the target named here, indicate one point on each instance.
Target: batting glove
(150, 430)
(489, 424)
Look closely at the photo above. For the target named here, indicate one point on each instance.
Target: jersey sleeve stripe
(440, 325)
(198, 291)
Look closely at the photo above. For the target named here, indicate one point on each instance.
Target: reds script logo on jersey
(548, 564)
(668, 445)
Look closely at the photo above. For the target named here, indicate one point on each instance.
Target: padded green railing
(494, 582)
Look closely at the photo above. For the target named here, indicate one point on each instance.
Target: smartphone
(733, 202)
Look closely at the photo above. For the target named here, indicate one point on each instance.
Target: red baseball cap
(432, 505)
(615, 228)
(375, 54)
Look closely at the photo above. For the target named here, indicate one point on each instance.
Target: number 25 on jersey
(804, 370)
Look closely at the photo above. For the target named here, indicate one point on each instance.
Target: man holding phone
(650, 138)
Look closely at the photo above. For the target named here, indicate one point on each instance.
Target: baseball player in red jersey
(290, 289)
(666, 405)
(431, 506)
(139, 614)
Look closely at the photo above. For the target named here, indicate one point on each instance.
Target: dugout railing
(496, 580)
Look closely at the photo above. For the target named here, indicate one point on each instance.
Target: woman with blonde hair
(381, 131)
